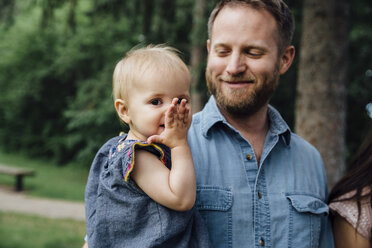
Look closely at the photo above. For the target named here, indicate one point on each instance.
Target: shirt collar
(211, 115)
(278, 126)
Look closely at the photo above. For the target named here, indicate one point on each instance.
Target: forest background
(57, 59)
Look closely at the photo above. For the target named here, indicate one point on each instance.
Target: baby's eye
(155, 102)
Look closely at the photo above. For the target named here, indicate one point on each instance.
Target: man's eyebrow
(246, 47)
(256, 47)
(218, 45)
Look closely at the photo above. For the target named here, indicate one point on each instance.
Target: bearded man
(258, 184)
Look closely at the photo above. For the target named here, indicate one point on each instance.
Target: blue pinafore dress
(120, 214)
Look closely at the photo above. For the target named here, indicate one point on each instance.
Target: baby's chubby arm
(175, 188)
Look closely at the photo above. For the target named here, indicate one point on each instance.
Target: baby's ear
(122, 110)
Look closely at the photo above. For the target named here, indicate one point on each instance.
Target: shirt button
(249, 156)
(259, 195)
(262, 242)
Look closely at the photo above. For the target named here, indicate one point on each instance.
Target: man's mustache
(238, 79)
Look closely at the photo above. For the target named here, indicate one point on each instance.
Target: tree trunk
(47, 14)
(197, 53)
(147, 17)
(71, 19)
(321, 104)
(7, 8)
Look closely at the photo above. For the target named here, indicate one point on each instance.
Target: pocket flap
(308, 203)
(213, 198)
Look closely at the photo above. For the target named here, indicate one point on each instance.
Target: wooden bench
(19, 173)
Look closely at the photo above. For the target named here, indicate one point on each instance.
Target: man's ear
(208, 44)
(286, 59)
(122, 110)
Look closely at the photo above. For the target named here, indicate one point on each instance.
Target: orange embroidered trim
(131, 165)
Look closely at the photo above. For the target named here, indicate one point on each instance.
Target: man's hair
(156, 59)
(277, 8)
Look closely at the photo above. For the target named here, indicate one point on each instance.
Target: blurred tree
(148, 6)
(48, 7)
(57, 59)
(322, 76)
(198, 53)
(359, 88)
(166, 14)
(71, 18)
(7, 11)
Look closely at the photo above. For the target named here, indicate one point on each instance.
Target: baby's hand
(177, 122)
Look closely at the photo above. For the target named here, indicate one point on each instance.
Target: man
(258, 184)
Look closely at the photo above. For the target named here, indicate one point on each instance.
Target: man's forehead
(234, 22)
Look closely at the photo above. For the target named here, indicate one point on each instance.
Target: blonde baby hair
(157, 59)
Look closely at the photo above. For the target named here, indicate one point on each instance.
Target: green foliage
(50, 80)
(29, 86)
(57, 59)
(18, 230)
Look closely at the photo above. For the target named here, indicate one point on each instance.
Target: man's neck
(253, 128)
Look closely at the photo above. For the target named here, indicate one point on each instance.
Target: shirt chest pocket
(214, 204)
(306, 213)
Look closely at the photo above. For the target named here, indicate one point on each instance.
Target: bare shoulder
(148, 170)
(144, 159)
(345, 235)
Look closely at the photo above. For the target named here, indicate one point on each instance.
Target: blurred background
(57, 58)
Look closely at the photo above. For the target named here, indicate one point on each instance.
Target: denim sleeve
(326, 234)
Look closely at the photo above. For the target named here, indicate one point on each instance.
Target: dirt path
(11, 201)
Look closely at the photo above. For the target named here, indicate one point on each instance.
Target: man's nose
(236, 65)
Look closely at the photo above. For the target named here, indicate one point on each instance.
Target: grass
(18, 230)
(51, 181)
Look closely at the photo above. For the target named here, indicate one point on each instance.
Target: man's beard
(246, 101)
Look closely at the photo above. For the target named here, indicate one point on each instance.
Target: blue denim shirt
(280, 204)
